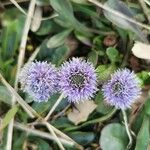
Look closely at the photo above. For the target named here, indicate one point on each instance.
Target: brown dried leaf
(81, 111)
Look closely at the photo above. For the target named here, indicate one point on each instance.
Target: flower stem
(127, 129)
(54, 106)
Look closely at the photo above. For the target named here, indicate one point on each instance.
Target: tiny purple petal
(39, 80)
(78, 80)
(122, 89)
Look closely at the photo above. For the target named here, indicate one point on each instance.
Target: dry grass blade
(40, 133)
(31, 112)
(55, 136)
(97, 3)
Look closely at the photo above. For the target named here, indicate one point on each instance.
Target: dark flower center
(77, 80)
(117, 87)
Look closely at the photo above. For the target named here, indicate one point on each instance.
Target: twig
(24, 39)
(127, 129)
(19, 65)
(9, 135)
(54, 135)
(18, 6)
(22, 10)
(147, 2)
(41, 133)
(18, 1)
(54, 106)
(145, 9)
(62, 112)
(119, 14)
(29, 110)
(62, 134)
(55, 129)
(34, 54)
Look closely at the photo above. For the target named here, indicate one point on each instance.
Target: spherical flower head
(39, 80)
(122, 89)
(78, 80)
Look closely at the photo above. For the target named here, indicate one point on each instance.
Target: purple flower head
(78, 80)
(122, 89)
(39, 80)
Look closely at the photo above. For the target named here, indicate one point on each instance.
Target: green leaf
(147, 107)
(144, 76)
(83, 38)
(9, 40)
(102, 107)
(54, 55)
(113, 137)
(142, 141)
(11, 32)
(112, 54)
(81, 2)
(104, 72)
(5, 95)
(59, 55)
(44, 106)
(19, 142)
(82, 138)
(47, 27)
(93, 57)
(66, 16)
(10, 114)
(58, 39)
(62, 123)
(40, 144)
(121, 7)
(64, 8)
(42, 2)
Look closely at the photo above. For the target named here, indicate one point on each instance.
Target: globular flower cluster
(39, 80)
(122, 89)
(78, 80)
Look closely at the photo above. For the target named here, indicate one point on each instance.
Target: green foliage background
(78, 28)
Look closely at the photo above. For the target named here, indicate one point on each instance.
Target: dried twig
(10, 135)
(19, 65)
(9, 3)
(147, 2)
(32, 113)
(61, 113)
(29, 110)
(54, 106)
(22, 10)
(18, 6)
(24, 39)
(40, 133)
(54, 135)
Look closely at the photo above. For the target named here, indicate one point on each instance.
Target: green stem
(127, 129)
(101, 119)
